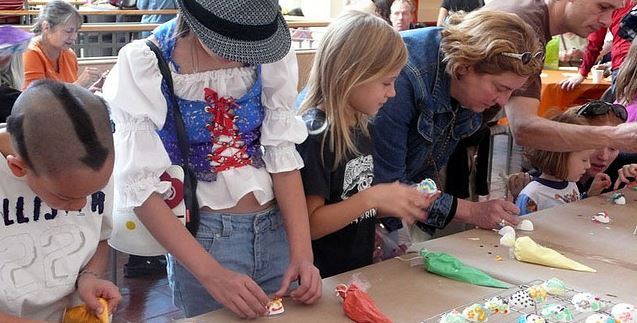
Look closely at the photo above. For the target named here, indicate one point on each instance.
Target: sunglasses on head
(598, 108)
(525, 57)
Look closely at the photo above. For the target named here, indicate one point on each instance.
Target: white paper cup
(598, 75)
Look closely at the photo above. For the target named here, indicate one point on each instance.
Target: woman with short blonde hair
(452, 76)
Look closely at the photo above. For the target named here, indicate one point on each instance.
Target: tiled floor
(149, 299)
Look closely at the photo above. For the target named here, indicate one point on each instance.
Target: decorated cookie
(537, 293)
(525, 225)
(427, 186)
(452, 317)
(599, 318)
(557, 313)
(475, 313)
(531, 318)
(275, 306)
(624, 313)
(601, 217)
(521, 299)
(497, 305)
(554, 286)
(618, 198)
(586, 302)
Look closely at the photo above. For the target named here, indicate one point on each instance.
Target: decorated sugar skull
(497, 305)
(618, 198)
(452, 317)
(427, 186)
(275, 306)
(475, 313)
(557, 313)
(531, 318)
(624, 313)
(601, 217)
(599, 318)
(554, 286)
(586, 302)
(521, 299)
(537, 293)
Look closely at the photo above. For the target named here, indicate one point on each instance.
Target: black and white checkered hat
(247, 31)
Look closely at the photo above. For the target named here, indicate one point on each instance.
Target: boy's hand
(309, 278)
(601, 181)
(90, 288)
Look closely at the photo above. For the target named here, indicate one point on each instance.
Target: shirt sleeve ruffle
(281, 129)
(138, 109)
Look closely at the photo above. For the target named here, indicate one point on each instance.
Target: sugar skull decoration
(618, 198)
(538, 293)
(531, 318)
(521, 299)
(554, 286)
(601, 217)
(475, 313)
(427, 186)
(275, 306)
(599, 318)
(452, 317)
(586, 302)
(497, 305)
(624, 313)
(557, 313)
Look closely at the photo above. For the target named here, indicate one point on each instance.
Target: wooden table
(76, 3)
(553, 97)
(402, 292)
(409, 294)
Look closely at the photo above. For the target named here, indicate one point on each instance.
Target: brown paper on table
(527, 250)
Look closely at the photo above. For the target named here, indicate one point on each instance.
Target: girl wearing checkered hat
(235, 79)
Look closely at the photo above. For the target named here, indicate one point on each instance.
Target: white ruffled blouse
(138, 109)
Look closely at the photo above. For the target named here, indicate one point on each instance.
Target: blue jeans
(254, 244)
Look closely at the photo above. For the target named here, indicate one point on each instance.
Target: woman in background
(50, 55)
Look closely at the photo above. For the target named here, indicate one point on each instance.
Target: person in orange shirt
(50, 55)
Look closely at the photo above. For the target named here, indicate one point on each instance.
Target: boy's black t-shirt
(352, 246)
(464, 5)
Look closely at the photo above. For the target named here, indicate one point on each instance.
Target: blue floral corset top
(223, 132)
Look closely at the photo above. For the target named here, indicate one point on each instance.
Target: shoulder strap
(179, 122)
(190, 179)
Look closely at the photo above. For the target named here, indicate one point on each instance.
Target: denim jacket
(411, 138)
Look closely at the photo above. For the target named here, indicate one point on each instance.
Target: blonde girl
(560, 172)
(626, 86)
(353, 75)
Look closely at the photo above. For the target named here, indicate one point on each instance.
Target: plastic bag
(446, 265)
(357, 304)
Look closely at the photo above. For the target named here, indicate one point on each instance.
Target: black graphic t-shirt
(464, 5)
(352, 246)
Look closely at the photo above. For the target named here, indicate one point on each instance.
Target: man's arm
(532, 131)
